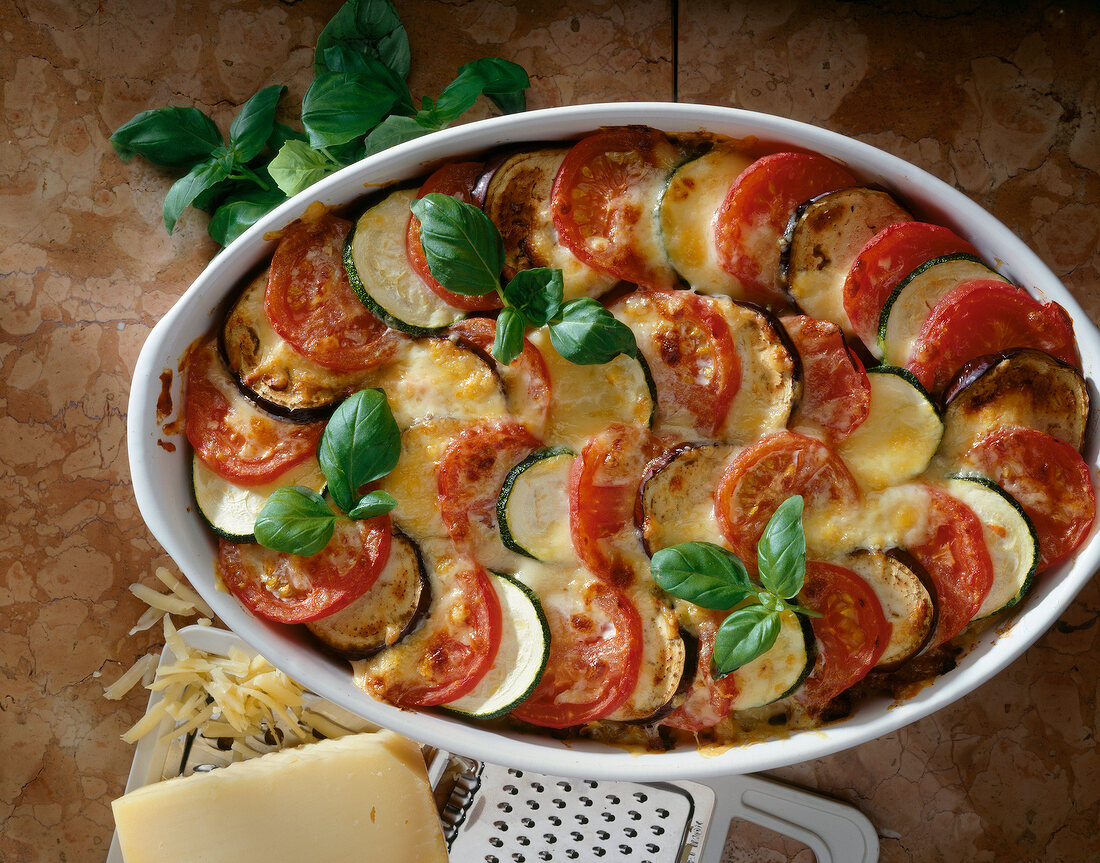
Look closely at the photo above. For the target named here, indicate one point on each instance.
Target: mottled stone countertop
(1000, 101)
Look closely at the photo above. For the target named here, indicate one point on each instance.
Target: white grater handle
(836, 832)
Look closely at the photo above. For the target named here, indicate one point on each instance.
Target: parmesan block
(335, 800)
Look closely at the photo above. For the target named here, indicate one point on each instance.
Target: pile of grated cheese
(239, 697)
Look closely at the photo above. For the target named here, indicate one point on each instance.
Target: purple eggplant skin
(691, 666)
(402, 593)
(1023, 387)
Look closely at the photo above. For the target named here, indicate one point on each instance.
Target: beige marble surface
(1002, 104)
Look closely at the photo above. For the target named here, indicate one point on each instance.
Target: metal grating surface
(503, 815)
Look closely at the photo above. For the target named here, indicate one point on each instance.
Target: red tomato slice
(957, 561)
(887, 258)
(765, 474)
(836, 395)
(311, 304)
(233, 437)
(707, 701)
(469, 477)
(753, 217)
(595, 655)
(457, 179)
(603, 195)
(289, 588)
(851, 634)
(1050, 481)
(688, 345)
(986, 316)
(526, 380)
(603, 490)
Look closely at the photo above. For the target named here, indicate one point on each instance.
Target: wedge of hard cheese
(361, 797)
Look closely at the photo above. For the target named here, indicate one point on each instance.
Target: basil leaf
(254, 123)
(500, 80)
(341, 106)
(280, 134)
(588, 334)
(743, 636)
(240, 212)
(298, 166)
(370, 27)
(174, 137)
(296, 520)
(702, 573)
(373, 503)
(361, 443)
(508, 340)
(188, 187)
(462, 246)
(537, 294)
(394, 130)
(781, 552)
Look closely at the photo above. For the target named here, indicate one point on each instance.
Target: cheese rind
(327, 801)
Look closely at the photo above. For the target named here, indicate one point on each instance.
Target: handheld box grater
(496, 814)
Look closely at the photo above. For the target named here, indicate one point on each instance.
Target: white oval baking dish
(162, 485)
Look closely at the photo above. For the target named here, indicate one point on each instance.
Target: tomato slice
(310, 301)
(887, 258)
(707, 701)
(604, 197)
(595, 655)
(452, 650)
(526, 380)
(1050, 481)
(689, 348)
(987, 316)
(469, 477)
(234, 438)
(957, 561)
(603, 490)
(851, 634)
(836, 395)
(765, 474)
(457, 179)
(289, 588)
(754, 215)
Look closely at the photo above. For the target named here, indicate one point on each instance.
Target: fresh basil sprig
(358, 104)
(712, 577)
(465, 254)
(361, 443)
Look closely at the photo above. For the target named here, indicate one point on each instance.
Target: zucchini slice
(586, 399)
(391, 609)
(270, 372)
(676, 496)
(517, 201)
(1009, 535)
(907, 603)
(908, 306)
(781, 670)
(231, 509)
(521, 657)
(1020, 388)
(900, 435)
(822, 241)
(694, 193)
(533, 507)
(381, 276)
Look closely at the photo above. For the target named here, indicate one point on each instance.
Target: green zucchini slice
(231, 509)
(900, 435)
(380, 274)
(521, 657)
(908, 306)
(1009, 535)
(781, 670)
(533, 507)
